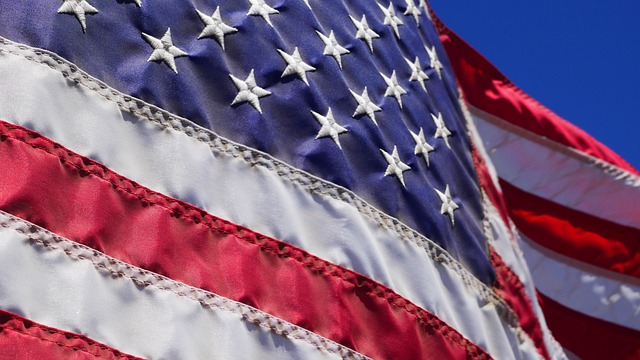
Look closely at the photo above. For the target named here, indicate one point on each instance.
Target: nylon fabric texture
(357, 243)
(52, 279)
(304, 280)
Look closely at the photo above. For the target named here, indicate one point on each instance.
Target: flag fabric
(248, 179)
(574, 203)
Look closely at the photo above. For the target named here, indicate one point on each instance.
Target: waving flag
(574, 203)
(248, 179)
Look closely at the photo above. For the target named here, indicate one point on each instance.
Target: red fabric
(573, 233)
(486, 88)
(82, 200)
(24, 339)
(588, 337)
(511, 289)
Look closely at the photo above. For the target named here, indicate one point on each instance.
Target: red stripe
(84, 201)
(21, 338)
(511, 289)
(588, 337)
(486, 88)
(574, 234)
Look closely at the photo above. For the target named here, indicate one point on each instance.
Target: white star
(423, 4)
(417, 74)
(307, 2)
(163, 50)
(249, 91)
(393, 88)
(79, 8)
(435, 62)
(364, 32)
(441, 129)
(260, 8)
(396, 167)
(295, 65)
(391, 19)
(332, 48)
(448, 205)
(422, 147)
(413, 10)
(329, 127)
(215, 27)
(365, 106)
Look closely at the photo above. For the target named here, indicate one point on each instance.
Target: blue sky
(579, 58)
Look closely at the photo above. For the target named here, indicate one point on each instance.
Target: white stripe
(181, 166)
(584, 288)
(559, 174)
(63, 284)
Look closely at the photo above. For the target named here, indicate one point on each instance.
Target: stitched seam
(117, 268)
(218, 144)
(9, 326)
(197, 216)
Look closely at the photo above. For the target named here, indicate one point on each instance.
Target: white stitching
(117, 268)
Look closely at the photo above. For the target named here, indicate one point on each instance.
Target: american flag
(248, 179)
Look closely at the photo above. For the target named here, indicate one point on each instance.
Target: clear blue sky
(579, 58)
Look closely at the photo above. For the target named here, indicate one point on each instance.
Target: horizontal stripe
(109, 213)
(549, 171)
(21, 338)
(132, 143)
(588, 337)
(589, 292)
(574, 234)
(486, 88)
(66, 285)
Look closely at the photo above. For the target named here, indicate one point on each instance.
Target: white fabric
(560, 176)
(180, 166)
(584, 288)
(50, 287)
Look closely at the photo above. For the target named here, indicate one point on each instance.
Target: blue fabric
(114, 51)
